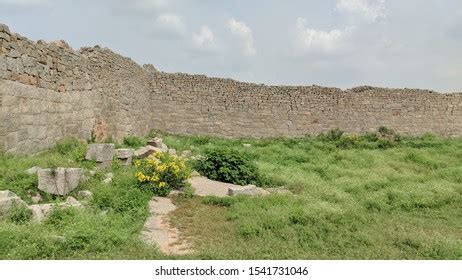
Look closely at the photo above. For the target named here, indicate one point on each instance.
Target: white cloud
(171, 22)
(312, 40)
(153, 4)
(241, 30)
(25, 3)
(205, 39)
(370, 10)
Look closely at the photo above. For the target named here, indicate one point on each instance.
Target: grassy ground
(355, 199)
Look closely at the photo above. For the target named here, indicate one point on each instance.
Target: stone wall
(49, 91)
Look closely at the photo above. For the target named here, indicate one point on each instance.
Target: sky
(337, 43)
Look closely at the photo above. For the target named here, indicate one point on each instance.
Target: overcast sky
(341, 43)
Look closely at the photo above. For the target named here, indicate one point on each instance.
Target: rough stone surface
(32, 170)
(186, 154)
(172, 152)
(59, 181)
(156, 142)
(125, 156)
(9, 199)
(107, 181)
(36, 199)
(100, 152)
(250, 190)
(85, 194)
(50, 91)
(157, 230)
(206, 187)
(146, 151)
(41, 211)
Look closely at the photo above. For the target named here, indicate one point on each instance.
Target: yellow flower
(162, 184)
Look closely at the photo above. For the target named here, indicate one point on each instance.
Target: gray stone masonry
(59, 181)
(48, 91)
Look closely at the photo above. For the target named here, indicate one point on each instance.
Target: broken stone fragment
(172, 152)
(101, 153)
(59, 181)
(85, 194)
(9, 199)
(125, 156)
(146, 151)
(32, 170)
(40, 211)
(107, 181)
(251, 190)
(155, 142)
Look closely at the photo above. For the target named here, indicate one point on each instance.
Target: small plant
(162, 173)
(19, 214)
(349, 141)
(71, 147)
(134, 142)
(230, 166)
(334, 135)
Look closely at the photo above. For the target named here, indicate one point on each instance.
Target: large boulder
(9, 199)
(40, 211)
(125, 156)
(59, 181)
(101, 153)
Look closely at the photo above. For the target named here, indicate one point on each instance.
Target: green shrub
(134, 142)
(229, 166)
(332, 135)
(19, 214)
(161, 173)
(71, 147)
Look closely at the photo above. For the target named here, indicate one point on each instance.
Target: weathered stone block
(156, 142)
(9, 199)
(59, 181)
(146, 151)
(100, 152)
(125, 156)
(251, 190)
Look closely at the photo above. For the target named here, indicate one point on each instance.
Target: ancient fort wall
(49, 91)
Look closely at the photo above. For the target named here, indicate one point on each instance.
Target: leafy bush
(161, 173)
(229, 166)
(134, 142)
(71, 147)
(19, 214)
(333, 135)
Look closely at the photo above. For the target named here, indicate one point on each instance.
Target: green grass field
(355, 198)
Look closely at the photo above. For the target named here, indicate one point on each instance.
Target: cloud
(24, 3)
(459, 12)
(241, 30)
(205, 39)
(370, 10)
(153, 4)
(171, 23)
(313, 40)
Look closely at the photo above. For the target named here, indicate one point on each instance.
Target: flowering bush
(162, 173)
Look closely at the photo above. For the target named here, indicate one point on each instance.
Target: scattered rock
(32, 170)
(125, 156)
(247, 145)
(146, 151)
(172, 152)
(186, 154)
(85, 194)
(251, 190)
(36, 199)
(109, 175)
(155, 142)
(195, 174)
(73, 202)
(92, 172)
(205, 187)
(9, 199)
(101, 153)
(107, 181)
(59, 181)
(40, 211)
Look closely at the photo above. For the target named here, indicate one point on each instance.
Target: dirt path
(157, 230)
